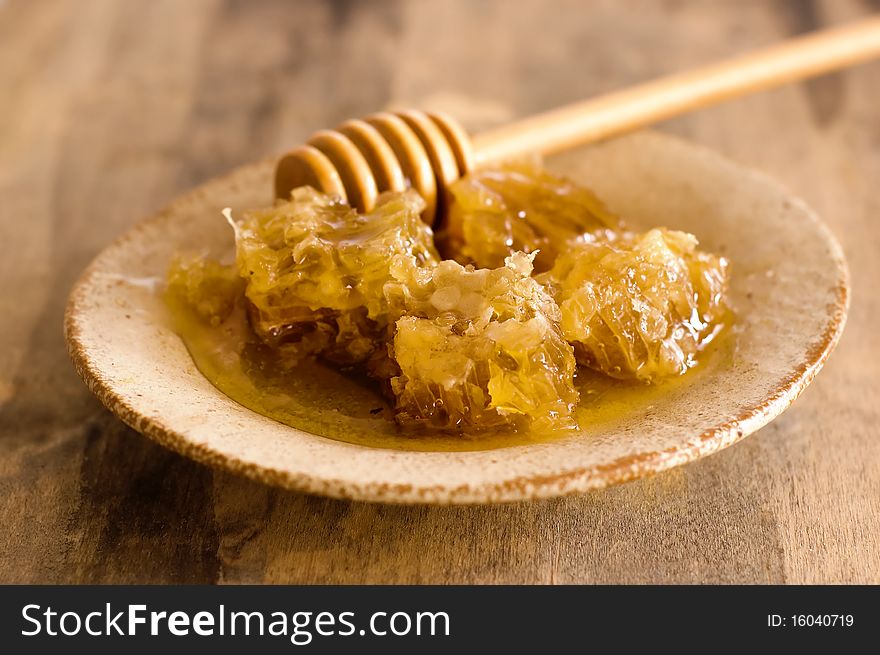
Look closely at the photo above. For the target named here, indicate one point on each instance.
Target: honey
(322, 400)
(519, 207)
(351, 325)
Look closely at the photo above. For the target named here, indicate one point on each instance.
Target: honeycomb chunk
(639, 306)
(206, 286)
(479, 349)
(516, 207)
(315, 271)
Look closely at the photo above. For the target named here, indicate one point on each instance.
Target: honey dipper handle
(628, 109)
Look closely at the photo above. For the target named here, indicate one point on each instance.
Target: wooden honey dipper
(390, 151)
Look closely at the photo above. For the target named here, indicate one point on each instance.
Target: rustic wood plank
(110, 109)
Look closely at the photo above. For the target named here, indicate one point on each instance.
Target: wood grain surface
(108, 109)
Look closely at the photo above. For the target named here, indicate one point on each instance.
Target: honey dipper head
(361, 159)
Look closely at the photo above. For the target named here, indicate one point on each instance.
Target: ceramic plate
(789, 288)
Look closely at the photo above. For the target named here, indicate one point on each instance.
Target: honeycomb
(206, 286)
(542, 278)
(518, 207)
(639, 306)
(479, 349)
(315, 270)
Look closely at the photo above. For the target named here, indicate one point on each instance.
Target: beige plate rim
(537, 486)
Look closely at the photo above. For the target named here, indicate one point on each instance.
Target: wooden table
(110, 109)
